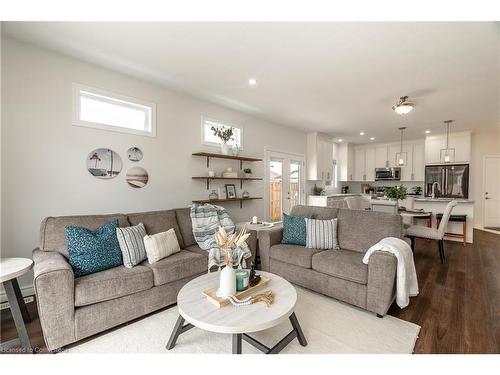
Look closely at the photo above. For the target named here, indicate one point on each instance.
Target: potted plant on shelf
(395, 192)
(225, 135)
(248, 172)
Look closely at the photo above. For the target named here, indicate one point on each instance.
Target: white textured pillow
(161, 245)
(321, 234)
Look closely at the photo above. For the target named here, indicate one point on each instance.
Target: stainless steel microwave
(393, 174)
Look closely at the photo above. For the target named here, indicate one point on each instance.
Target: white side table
(10, 269)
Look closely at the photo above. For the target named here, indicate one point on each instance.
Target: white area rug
(330, 327)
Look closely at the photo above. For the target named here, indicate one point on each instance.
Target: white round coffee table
(10, 269)
(197, 311)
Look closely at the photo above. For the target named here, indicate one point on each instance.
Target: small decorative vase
(213, 195)
(245, 194)
(227, 284)
(224, 148)
(235, 150)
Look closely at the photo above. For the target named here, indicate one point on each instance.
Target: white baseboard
(27, 290)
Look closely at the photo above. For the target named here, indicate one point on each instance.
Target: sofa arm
(54, 284)
(268, 238)
(381, 282)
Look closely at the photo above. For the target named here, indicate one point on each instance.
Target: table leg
(237, 343)
(298, 329)
(178, 329)
(20, 301)
(18, 317)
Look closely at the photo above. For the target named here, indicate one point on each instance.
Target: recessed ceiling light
(339, 140)
(427, 132)
(372, 138)
(252, 81)
(361, 133)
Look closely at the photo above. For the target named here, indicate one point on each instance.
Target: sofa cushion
(293, 254)
(53, 234)
(157, 221)
(320, 213)
(177, 266)
(198, 250)
(93, 251)
(358, 230)
(110, 284)
(344, 264)
(321, 234)
(131, 241)
(161, 245)
(184, 221)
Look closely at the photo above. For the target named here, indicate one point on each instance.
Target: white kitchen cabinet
(381, 156)
(345, 162)
(393, 149)
(319, 157)
(359, 163)
(460, 141)
(418, 165)
(370, 163)
(364, 163)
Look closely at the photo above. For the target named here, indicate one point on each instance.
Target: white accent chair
(419, 231)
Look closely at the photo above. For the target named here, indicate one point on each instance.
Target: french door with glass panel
(285, 183)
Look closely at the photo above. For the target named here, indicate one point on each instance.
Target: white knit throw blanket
(206, 220)
(406, 275)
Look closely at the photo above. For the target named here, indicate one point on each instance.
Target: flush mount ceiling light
(403, 106)
(401, 157)
(447, 155)
(252, 81)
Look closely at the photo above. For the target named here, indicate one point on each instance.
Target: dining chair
(353, 203)
(419, 231)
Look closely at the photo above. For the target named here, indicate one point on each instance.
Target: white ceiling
(338, 78)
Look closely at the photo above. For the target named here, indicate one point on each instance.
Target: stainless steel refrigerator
(449, 181)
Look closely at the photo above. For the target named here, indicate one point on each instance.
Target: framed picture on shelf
(230, 191)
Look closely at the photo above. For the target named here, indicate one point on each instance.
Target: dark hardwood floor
(458, 307)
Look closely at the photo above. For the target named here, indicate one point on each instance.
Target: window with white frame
(210, 139)
(98, 109)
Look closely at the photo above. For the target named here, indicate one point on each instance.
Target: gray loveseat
(339, 273)
(71, 309)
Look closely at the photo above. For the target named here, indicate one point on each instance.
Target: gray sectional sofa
(71, 309)
(339, 273)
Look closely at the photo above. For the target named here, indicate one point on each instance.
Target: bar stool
(457, 219)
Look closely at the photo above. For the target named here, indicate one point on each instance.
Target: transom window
(95, 108)
(208, 137)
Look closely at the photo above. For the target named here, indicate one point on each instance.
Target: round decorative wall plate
(104, 163)
(134, 154)
(137, 177)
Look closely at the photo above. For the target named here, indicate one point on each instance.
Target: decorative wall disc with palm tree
(104, 163)
(134, 154)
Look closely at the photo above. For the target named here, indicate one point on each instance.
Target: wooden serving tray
(211, 293)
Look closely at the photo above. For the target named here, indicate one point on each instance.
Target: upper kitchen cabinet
(418, 164)
(319, 157)
(345, 162)
(460, 141)
(381, 156)
(364, 163)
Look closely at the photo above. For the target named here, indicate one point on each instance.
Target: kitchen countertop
(337, 195)
(444, 200)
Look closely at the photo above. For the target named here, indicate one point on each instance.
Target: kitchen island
(334, 200)
(438, 205)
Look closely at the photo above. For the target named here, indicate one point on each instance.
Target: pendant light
(447, 155)
(401, 157)
(404, 106)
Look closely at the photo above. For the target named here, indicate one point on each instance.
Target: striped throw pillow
(131, 240)
(161, 245)
(321, 234)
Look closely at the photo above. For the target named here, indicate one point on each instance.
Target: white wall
(43, 155)
(484, 142)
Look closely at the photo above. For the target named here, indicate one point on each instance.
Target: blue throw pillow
(294, 230)
(93, 250)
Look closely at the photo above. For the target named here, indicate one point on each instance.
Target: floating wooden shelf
(203, 201)
(241, 179)
(209, 155)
